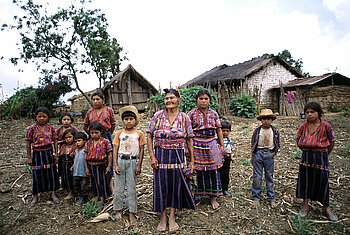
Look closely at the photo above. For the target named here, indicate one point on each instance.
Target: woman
(170, 129)
(316, 140)
(207, 154)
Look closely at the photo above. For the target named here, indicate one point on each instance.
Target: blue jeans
(262, 160)
(127, 176)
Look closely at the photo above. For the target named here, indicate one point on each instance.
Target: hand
(30, 161)
(87, 172)
(138, 170)
(252, 159)
(221, 148)
(273, 154)
(187, 153)
(107, 170)
(233, 159)
(71, 169)
(56, 159)
(117, 169)
(191, 166)
(154, 163)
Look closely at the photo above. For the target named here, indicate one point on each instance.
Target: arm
(154, 161)
(220, 137)
(330, 147)
(139, 164)
(86, 129)
(115, 159)
(56, 151)
(190, 150)
(29, 153)
(86, 168)
(109, 162)
(112, 128)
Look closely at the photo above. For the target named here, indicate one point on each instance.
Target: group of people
(190, 155)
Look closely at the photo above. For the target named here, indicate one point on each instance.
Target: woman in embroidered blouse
(170, 129)
(207, 154)
(315, 138)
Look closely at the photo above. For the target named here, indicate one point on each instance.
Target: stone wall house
(255, 77)
(79, 102)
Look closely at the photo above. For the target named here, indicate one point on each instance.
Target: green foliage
(334, 109)
(188, 99)
(301, 226)
(297, 64)
(297, 154)
(90, 209)
(29, 169)
(245, 162)
(243, 106)
(346, 113)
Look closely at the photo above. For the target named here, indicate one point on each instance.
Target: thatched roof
(238, 71)
(325, 79)
(134, 75)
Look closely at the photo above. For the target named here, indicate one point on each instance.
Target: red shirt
(98, 152)
(321, 138)
(106, 117)
(59, 131)
(39, 138)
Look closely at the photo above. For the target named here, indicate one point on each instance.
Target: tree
(70, 41)
(297, 64)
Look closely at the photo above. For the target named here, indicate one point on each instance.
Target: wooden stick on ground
(13, 184)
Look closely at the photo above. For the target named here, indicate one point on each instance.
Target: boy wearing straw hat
(128, 155)
(264, 147)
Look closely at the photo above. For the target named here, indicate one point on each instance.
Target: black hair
(95, 126)
(42, 110)
(226, 125)
(172, 91)
(80, 135)
(68, 115)
(98, 93)
(314, 106)
(128, 114)
(70, 130)
(203, 92)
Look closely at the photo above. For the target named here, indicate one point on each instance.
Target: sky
(173, 41)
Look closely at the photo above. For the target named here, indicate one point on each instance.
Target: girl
(42, 138)
(104, 115)
(67, 161)
(207, 155)
(315, 138)
(66, 121)
(98, 161)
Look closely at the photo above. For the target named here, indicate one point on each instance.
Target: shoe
(80, 201)
(255, 203)
(273, 204)
(302, 214)
(56, 201)
(33, 204)
(333, 218)
(226, 193)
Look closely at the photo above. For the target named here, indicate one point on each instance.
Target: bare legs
(173, 226)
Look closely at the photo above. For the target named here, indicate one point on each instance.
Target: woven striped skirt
(209, 183)
(99, 180)
(45, 177)
(207, 155)
(66, 173)
(313, 177)
(169, 185)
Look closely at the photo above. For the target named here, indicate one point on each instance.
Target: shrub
(243, 106)
(91, 209)
(188, 99)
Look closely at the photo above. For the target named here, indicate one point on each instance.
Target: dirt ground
(234, 216)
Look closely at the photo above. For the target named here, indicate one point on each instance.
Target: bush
(243, 106)
(188, 99)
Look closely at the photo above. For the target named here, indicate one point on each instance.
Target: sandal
(302, 214)
(332, 218)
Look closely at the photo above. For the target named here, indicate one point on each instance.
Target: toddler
(228, 157)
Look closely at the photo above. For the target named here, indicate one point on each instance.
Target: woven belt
(127, 157)
(67, 160)
(97, 162)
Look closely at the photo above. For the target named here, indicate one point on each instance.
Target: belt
(264, 149)
(103, 162)
(127, 157)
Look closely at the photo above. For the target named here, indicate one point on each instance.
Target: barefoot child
(265, 144)
(98, 160)
(66, 121)
(80, 181)
(67, 162)
(42, 139)
(128, 155)
(228, 157)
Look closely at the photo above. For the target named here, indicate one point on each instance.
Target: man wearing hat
(264, 147)
(127, 156)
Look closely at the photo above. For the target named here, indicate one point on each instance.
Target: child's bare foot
(69, 196)
(214, 204)
(162, 224)
(173, 226)
(54, 198)
(118, 215)
(132, 218)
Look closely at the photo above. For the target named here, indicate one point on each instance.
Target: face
(95, 134)
(171, 101)
(80, 143)
(203, 101)
(266, 122)
(97, 101)
(42, 118)
(69, 138)
(129, 122)
(66, 121)
(225, 132)
(311, 115)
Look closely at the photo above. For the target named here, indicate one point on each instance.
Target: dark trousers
(81, 185)
(225, 173)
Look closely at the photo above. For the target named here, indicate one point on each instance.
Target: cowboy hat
(267, 113)
(132, 109)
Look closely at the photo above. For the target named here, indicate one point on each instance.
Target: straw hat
(266, 113)
(130, 109)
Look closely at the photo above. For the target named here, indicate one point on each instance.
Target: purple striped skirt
(99, 180)
(169, 185)
(66, 173)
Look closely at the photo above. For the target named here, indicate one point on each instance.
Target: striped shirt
(106, 118)
(209, 120)
(320, 139)
(39, 138)
(98, 152)
(60, 131)
(169, 136)
(71, 149)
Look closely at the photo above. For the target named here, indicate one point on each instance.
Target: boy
(264, 147)
(127, 156)
(228, 157)
(80, 181)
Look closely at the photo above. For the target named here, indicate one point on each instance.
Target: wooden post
(129, 90)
